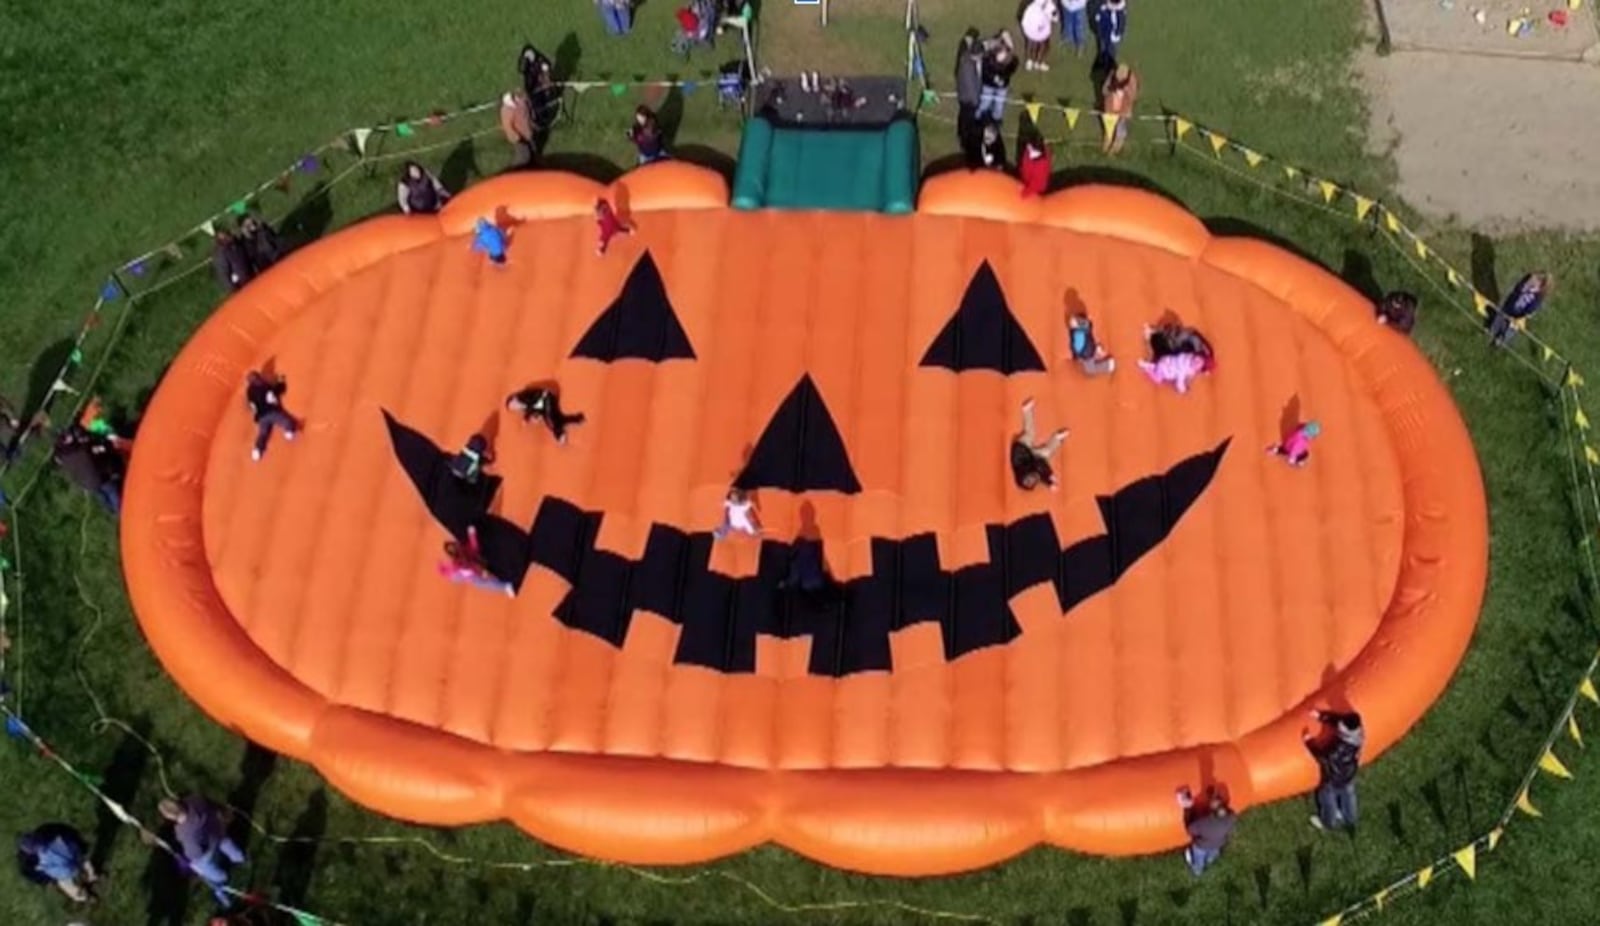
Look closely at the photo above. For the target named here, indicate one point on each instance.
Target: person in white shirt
(738, 515)
(1038, 23)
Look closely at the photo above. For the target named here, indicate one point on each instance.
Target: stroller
(697, 25)
(733, 83)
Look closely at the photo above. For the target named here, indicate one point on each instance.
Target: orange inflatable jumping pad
(916, 667)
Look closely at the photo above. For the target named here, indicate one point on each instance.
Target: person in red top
(1033, 166)
(611, 225)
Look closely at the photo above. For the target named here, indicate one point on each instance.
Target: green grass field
(126, 124)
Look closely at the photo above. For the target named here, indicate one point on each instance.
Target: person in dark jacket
(1337, 750)
(420, 192)
(536, 68)
(260, 243)
(265, 398)
(93, 464)
(969, 91)
(543, 403)
(200, 828)
(1209, 827)
(1525, 298)
(646, 135)
(1398, 310)
(55, 853)
(230, 261)
(999, 65)
(1030, 461)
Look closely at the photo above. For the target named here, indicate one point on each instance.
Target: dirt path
(1498, 142)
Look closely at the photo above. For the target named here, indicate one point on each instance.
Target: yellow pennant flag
(1072, 118)
(1422, 249)
(1481, 303)
(1424, 878)
(1182, 126)
(1451, 275)
(1333, 920)
(1391, 222)
(1591, 454)
(1380, 897)
(1468, 860)
(1291, 172)
(1033, 111)
(1253, 158)
(1552, 764)
(1587, 690)
(1494, 837)
(1581, 420)
(1217, 143)
(1363, 206)
(1329, 190)
(1109, 122)
(1548, 353)
(1573, 379)
(1572, 721)
(1525, 804)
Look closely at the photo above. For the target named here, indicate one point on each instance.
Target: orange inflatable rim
(595, 804)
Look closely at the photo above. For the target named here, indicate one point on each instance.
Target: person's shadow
(122, 778)
(297, 862)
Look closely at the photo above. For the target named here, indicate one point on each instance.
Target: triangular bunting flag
(1422, 249)
(1574, 379)
(930, 98)
(435, 119)
(1380, 897)
(1481, 303)
(1467, 858)
(619, 89)
(1333, 920)
(173, 251)
(1253, 158)
(1587, 690)
(1109, 122)
(1217, 143)
(361, 136)
(1072, 118)
(1546, 352)
(1033, 111)
(1525, 804)
(1363, 206)
(1451, 275)
(76, 356)
(1424, 878)
(1391, 222)
(1182, 126)
(209, 228)
(1551, 763)
(1581, 420)
(404, 130)
(689, 86)
(1591, 454)
(1329, 190)
(239, 207)
(282, 183)
(1572, 721)
(1291, 172)
(60, 385)
(1494, 837)
(306, 919)
(110, 292)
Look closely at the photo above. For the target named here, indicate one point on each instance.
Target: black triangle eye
(983, 334)
(640, 323)
(800, 449)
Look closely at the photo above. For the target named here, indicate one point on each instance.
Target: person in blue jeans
(1075, 24)
(617, 15)
(1110, 27)
(998, 67)
(1209, 829)
(1337, 751)
(201, 831)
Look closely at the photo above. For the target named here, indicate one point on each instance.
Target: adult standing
(420, 192)
(1038, 24)
(201, 830)
(1110, 27)
(969, 92)
(1120, 92)
(230, 262)
(1337, 751)
(516, 124)
(999, 65)
(1209, 828)
(617, 15)
(1075, 24)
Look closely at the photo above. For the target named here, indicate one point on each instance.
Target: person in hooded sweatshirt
(419, 192)
(1337, 750)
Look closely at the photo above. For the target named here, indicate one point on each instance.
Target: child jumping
(265, 398)
(544, 404)
(489, 240)
(1030, 461)
(610, 225)
(1296, 448)
(739, 515)
(464, 563)
(1091, 357)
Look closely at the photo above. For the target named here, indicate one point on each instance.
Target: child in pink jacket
(1177, 369)
(1296, 448)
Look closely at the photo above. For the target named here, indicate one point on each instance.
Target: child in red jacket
(1034, 167)
(609, 223)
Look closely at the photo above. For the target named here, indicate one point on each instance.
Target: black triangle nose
(800, 449)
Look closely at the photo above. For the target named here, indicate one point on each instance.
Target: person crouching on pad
(490, 241)
(544, 404)
(1296, 448)
(464, 563)
(1030, 461)
(1091, 357)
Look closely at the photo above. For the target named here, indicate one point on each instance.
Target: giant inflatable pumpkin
(998, 669)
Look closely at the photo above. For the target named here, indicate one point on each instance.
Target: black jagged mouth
(721, 617)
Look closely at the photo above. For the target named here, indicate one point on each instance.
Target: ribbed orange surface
(316, 566)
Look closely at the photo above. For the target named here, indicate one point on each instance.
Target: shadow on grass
(254, 769)
(43, 375)
(460, 166)
(309, 219)
(167, 891)
(122, 777)
(297, 862)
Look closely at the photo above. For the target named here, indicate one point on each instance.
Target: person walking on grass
(617, 15)
(609, 225)
(1075, 24)
(1120, 92)
(463, 563)
(543, 403)
(1038, 25)
(1336, 747)
(1030, 460)
(999, 66)
(57, 854)
(739, 516)
(265, 399)
(200, 828)
(1209, 828)
(1110, 28)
